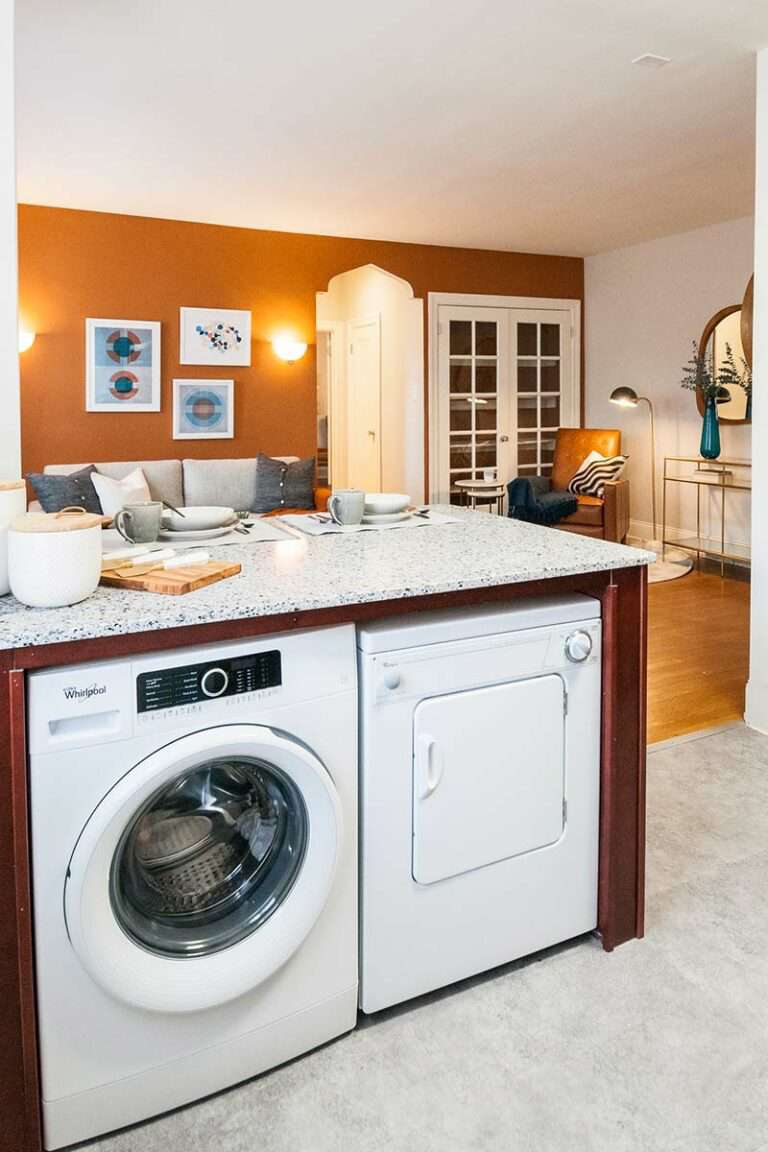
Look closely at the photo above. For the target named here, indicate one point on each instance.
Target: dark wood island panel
(623, 595)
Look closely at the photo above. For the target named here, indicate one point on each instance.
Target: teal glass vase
(710, 431)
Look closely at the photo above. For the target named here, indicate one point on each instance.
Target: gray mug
(140, 523)
(347, 506)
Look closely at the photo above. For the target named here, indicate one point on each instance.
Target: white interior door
(545, 397)
(364, 405)
(488, 776)
(474, 407)
(507, 379)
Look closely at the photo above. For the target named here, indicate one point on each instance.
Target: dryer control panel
(193, 683)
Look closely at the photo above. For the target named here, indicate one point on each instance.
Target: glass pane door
(473, 363)
(507, 381)
(538, 364)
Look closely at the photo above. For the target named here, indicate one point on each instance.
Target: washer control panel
(193, 683)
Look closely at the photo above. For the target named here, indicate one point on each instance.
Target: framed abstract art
(203, 409)
(214, 336)
(122, 365)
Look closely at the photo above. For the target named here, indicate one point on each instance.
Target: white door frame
(336, 399)
(434, 302)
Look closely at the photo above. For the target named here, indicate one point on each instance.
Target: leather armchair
(606, 518)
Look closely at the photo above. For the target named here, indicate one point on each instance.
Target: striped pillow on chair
(594, 473)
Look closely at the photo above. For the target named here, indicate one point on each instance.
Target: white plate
(197, 518)
(385, 503)
(387, 518)
(202, 534)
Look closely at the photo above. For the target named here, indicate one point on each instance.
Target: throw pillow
(73, 491)
(115, 494)
(594, 473)
(281, 485)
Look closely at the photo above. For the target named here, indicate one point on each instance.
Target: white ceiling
(517, 124)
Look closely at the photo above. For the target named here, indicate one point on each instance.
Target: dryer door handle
(429, 766)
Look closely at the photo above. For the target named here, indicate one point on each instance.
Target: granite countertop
(299, 575)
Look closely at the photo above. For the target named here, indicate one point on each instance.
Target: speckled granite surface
(297, 575)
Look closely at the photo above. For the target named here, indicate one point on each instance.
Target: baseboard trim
(690, 737)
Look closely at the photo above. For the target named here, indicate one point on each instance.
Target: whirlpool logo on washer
(75, 693)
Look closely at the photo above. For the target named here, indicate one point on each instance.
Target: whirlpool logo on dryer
(75, 693)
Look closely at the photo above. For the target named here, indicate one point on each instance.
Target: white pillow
(594, 472)
(115, 494)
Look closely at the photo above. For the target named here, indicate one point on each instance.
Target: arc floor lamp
(626, 397)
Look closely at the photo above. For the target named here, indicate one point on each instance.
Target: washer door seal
(204, 868)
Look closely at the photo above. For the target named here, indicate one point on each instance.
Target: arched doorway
(370, 344)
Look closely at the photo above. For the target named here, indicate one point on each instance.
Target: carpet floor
(660, 1047)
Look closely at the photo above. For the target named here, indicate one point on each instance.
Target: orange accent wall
(75, 264)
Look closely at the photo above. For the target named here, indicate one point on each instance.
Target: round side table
(489, 492)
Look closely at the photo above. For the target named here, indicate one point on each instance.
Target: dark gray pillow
(74, 490)
(280, 485)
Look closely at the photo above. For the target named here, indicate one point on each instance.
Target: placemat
(320, 523)
(261, 531)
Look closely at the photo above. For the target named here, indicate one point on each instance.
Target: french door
(507, 379)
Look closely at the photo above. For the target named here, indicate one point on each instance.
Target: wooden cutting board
(173, 581)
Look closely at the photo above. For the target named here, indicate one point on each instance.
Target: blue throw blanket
(530, 499)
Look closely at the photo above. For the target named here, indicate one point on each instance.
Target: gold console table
(724, 475)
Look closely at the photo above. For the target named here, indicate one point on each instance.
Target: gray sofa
(230, 483)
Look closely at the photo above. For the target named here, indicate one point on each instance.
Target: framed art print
(122, 365)
(203, 409)
(215, 336)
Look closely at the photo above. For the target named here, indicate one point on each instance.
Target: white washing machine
(194, 840)
(480, 759)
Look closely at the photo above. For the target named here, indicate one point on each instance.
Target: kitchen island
(310, 583)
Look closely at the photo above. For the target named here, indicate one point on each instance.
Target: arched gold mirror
(730, 326)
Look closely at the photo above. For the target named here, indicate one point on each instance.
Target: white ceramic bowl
(385, 503)
(198, 518)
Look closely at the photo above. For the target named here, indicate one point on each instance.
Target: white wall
(644, 306)
(10, 453)
(757, 687)
(358, 295)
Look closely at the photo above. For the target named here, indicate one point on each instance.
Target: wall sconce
(26, 339)
(289, 349)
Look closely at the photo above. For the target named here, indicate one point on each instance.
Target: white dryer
(194, 840)
(480, 755)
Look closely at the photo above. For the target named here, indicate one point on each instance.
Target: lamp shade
(624, 396)
(288, 348)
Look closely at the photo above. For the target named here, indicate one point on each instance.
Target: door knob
(504, 439)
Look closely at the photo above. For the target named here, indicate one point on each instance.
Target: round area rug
(676, 564)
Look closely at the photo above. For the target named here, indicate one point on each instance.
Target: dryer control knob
(392, 678)
(214, 682)
(578, 646)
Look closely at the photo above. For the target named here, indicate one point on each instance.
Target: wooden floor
(698, 652)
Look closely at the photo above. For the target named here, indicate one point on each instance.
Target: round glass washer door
(209, 857)
(204, 868)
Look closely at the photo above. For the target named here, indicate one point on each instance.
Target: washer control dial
(578, 646)
(214, 682)
(392, 678)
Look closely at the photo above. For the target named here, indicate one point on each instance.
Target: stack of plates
(386, 507)
(200, 522)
